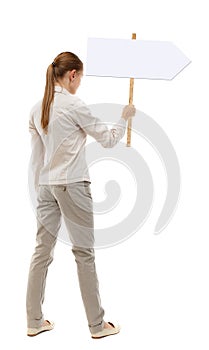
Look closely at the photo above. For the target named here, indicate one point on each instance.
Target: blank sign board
(141, 59)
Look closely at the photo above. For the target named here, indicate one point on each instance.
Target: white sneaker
(107, 331)
(31, 332)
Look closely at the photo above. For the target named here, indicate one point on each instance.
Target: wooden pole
(131, 89)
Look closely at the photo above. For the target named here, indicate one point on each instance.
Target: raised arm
(98, 129)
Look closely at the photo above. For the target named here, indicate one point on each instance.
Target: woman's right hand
(128, 111)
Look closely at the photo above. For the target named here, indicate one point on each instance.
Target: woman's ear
(72, 74)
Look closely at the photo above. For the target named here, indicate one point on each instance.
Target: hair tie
(53, 64)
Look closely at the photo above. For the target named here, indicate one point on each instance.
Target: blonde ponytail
(48, 98)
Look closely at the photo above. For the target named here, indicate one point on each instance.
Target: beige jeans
(74, 203)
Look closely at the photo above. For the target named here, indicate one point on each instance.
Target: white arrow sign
(134, 59)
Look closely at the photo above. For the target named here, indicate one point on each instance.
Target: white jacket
(58, 157)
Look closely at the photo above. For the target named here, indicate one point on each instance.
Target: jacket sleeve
(98, 129)
(37, 154)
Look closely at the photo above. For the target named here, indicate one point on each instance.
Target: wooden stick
(131, 89)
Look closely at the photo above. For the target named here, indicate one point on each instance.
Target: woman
(59, 125)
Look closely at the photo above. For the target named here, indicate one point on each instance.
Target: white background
(155, 286)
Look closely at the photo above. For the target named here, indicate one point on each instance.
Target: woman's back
(63, 145)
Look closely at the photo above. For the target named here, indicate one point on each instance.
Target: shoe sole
(106, 335)
(33, 335)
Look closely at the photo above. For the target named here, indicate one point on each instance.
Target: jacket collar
(62, 90)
